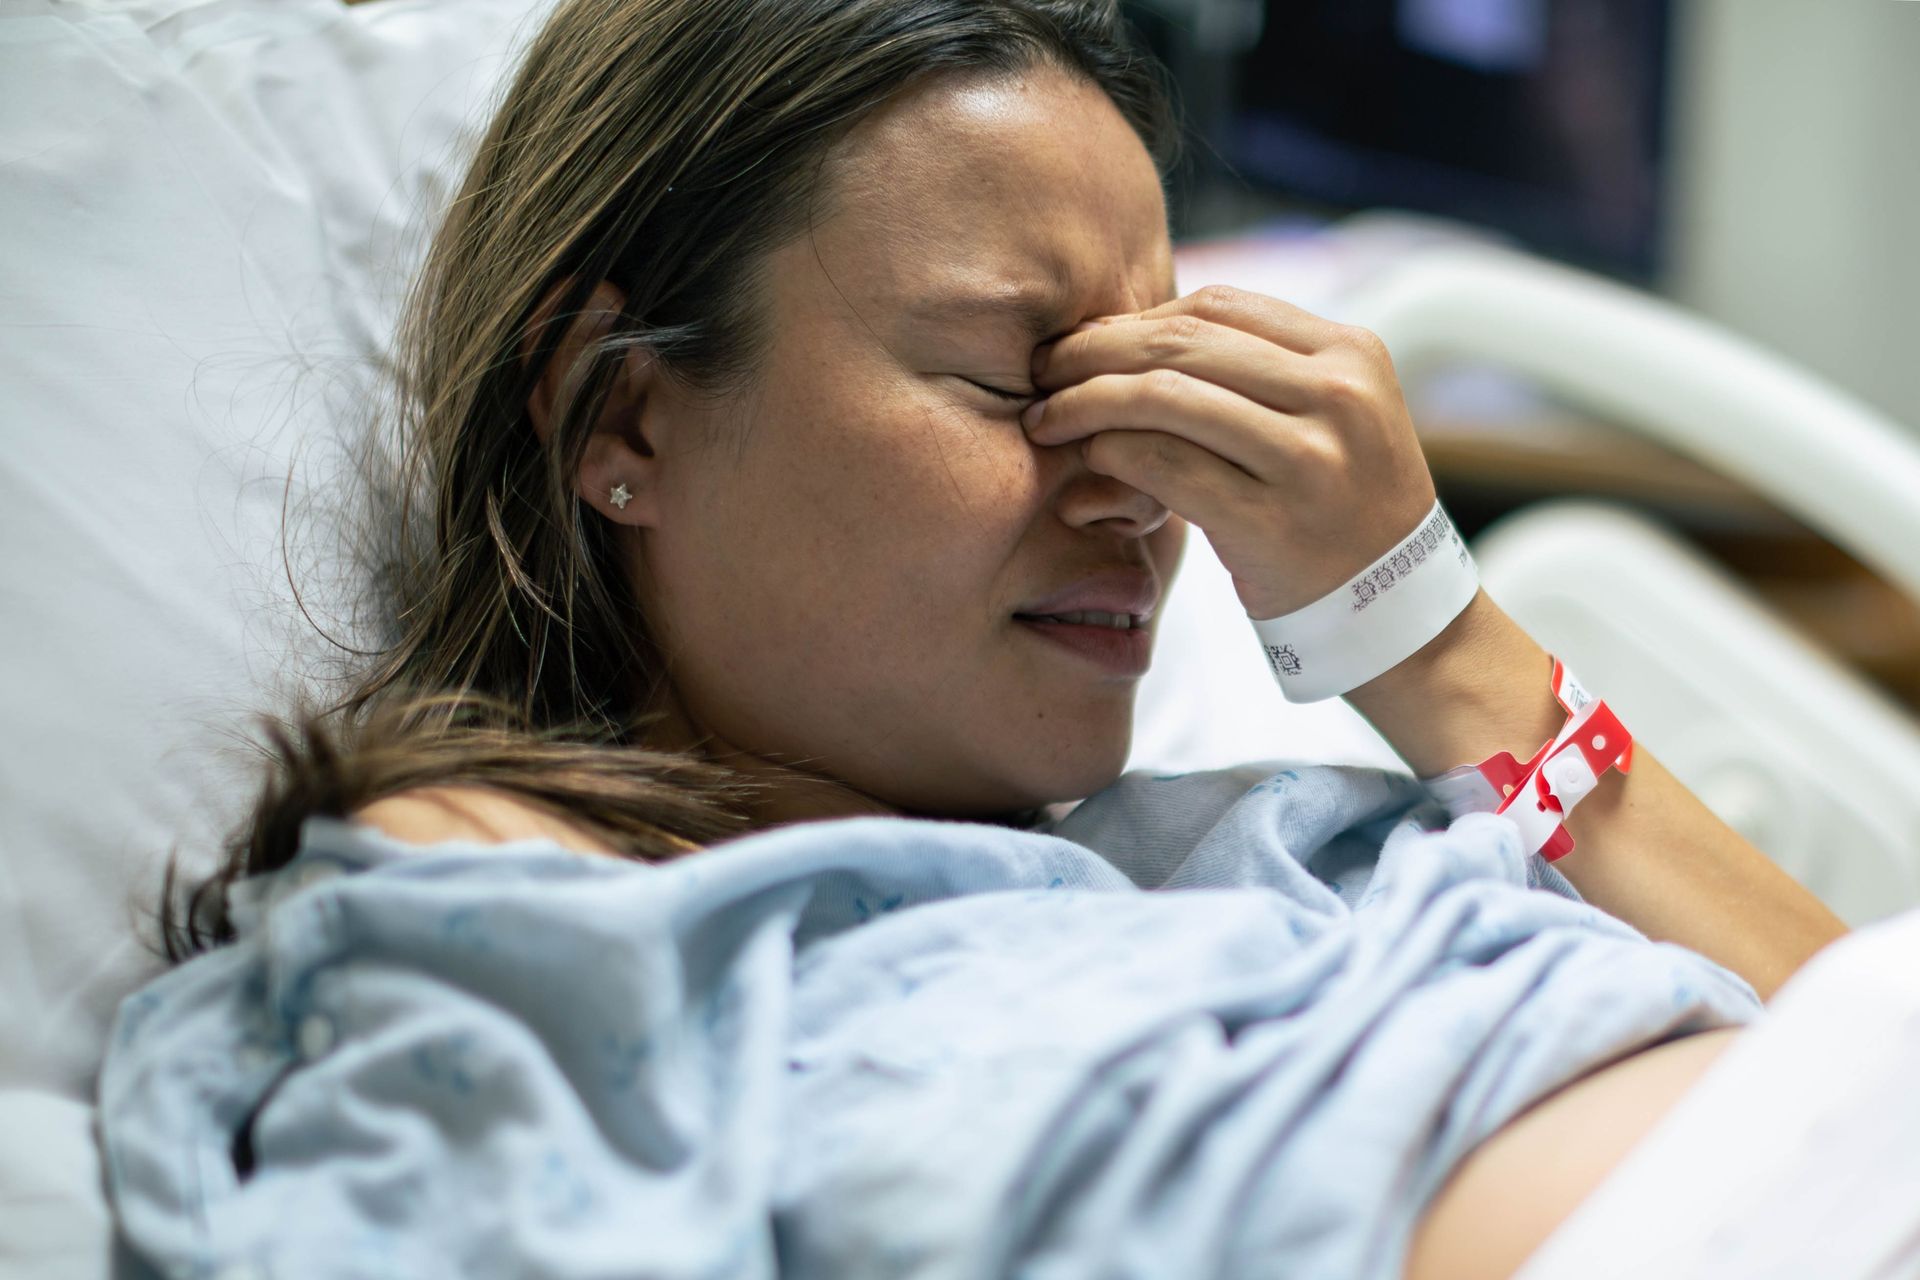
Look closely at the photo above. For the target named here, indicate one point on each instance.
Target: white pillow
(208, 208)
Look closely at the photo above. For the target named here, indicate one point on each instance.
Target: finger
(1193, 483)
(1259, 441)
(1266, 317)
(1275, 376)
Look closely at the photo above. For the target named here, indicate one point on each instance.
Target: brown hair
(664, 146)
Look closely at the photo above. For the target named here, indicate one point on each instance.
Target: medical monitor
(1544, 119)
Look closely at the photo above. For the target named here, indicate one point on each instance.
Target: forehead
(1029, 188)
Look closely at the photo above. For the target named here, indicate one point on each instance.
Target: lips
(1123, 593)
(1119, 652)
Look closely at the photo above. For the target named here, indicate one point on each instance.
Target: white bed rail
(1820, 454)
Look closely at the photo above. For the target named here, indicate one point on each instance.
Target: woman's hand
(1283, 436)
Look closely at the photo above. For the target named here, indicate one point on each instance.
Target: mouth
(1089, 618)
(1119, 644)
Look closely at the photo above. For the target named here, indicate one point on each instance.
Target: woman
(785, 390)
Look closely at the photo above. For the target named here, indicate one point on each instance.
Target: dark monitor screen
(1542, 118)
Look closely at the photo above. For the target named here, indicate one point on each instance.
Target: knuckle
(1172, 338)
(1321, 452)
(1216, 299)
(1131, 455)
(1164, 384)
(1163, 455)
(1368, 343)
(1345, 388)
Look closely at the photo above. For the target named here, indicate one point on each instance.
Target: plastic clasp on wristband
(1539, 794)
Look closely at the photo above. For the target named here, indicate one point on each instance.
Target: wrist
(1478, 687)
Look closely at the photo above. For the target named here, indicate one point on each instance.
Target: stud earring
(620, 497)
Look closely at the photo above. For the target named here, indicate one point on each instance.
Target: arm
(1285, 437)
(1646, 849)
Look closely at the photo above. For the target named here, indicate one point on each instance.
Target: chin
(1074, 769)
(989, 770)
(1024, 776)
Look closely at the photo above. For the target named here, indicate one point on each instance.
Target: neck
(785, 793)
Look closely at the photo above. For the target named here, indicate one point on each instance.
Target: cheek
(974, 484)
(982, 490)
(923, 503)
(882, 534)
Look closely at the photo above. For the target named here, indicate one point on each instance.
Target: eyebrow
(1039, 310)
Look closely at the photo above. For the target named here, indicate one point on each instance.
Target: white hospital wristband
(1376, 621)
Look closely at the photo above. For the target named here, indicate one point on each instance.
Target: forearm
(1647, 850)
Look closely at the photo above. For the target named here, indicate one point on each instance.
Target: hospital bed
(208, 205)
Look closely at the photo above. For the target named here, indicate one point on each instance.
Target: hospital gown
(1237, 1023)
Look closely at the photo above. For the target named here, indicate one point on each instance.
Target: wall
(1797, 171)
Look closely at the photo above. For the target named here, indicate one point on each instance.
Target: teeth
(1093, 618)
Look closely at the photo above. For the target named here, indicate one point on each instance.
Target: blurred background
(1752, 160)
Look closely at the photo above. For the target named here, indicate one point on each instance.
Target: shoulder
(427, 815)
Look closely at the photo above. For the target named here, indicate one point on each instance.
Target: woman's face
(844, 553)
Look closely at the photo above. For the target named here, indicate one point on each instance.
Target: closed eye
(1002, 394)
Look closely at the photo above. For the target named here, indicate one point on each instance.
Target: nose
(1091, 500)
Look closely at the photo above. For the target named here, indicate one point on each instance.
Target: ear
(618, 474)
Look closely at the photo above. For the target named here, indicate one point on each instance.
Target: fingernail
(1031, 415)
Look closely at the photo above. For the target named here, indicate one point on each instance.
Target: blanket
(1228, 1024)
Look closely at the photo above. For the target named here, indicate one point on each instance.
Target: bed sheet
(1796, 1155)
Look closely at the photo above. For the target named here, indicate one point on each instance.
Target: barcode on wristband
(1427, 540)
(1283, 660)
